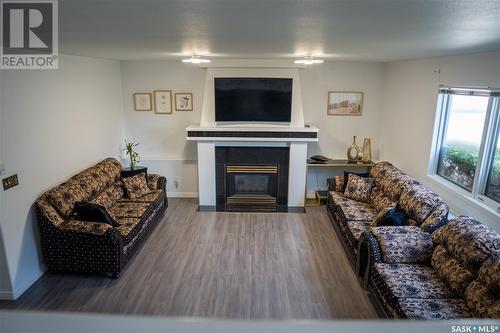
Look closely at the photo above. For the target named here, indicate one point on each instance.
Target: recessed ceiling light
(308, 60)
(196, 60)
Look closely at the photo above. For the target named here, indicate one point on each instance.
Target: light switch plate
(10, 182)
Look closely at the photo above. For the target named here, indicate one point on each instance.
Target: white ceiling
(378, 30)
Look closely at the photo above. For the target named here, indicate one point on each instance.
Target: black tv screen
(253, 99)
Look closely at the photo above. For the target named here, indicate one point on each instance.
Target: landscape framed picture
(184, 102)
(344, 103)
(162, 101)
(143, 102)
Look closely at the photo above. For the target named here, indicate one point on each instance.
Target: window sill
(463, 195)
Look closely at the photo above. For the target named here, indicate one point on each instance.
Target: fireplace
(251, 178)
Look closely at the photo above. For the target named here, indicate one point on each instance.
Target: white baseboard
(182, 194)
(6, 295)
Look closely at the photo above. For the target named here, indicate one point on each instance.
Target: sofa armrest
(404, 245)
(331, 184)
(368, 254)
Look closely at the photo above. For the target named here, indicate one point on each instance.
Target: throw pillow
(390, 216)
(86, 211)
(346, 177)
(358, 188)
(339, 183)
(136, 186)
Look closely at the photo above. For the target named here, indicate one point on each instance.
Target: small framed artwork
(184, 102)
(143, 102)
(162, 101)
(344, 103)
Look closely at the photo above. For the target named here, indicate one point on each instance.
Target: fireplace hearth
(251, 178)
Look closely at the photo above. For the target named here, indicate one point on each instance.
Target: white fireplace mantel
(209, 138)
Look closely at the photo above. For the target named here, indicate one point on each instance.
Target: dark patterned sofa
(70, 245)
(391, 187)
(455, 273)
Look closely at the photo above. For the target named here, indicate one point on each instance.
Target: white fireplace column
(296, 174)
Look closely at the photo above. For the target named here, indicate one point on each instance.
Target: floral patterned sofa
(351, 218)
(70, 245)
(453, 273)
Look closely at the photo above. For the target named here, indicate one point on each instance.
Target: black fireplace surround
(251, 178)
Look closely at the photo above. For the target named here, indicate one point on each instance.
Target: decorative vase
(353, 151)
(367, 150)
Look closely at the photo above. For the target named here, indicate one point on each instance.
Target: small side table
(127, 172)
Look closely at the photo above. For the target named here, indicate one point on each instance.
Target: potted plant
(131, 153)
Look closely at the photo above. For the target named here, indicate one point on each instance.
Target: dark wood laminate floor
(224, 265)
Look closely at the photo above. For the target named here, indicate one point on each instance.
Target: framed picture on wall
(142, 102)
(162, 101)
(184, 102)
(344, 103)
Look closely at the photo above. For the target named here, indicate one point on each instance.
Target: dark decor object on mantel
(127, 172)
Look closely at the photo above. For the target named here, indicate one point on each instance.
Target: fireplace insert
(251, 178)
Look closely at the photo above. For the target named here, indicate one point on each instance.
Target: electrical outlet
(2, 169)
(177, 182)
(10, 182)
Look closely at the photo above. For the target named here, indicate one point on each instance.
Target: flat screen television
(253, 99)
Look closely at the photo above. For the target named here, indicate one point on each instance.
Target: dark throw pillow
(90, 212)
(391, 217)
(346, 177)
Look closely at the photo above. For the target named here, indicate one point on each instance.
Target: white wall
(5, 286)
(54, 124)
(336, 132)
(409, 111)
(162, 138)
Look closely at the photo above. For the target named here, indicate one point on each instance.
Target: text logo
(29, 35)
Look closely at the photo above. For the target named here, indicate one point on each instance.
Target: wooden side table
(127, 172)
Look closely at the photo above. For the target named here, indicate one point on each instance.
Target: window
(467, 147)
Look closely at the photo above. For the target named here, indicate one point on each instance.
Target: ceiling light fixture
(196, 60)
(308, 60)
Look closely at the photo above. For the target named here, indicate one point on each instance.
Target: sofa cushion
(126, 225)
(482, 296)
(94, 228)
(390, 180)
(97, 178)
(456, 277)
(109, 196)
(404, 244)
(136, 186)
(468, 241)
(356, 228)
(436, 219)
(128, 209)
(358, 188)
(418, 202)
(415, 308)
(412, 281)
(150, 197)
(64, 197)
(379, 200)
(356, 211)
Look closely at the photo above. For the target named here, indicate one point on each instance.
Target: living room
(155, 75)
